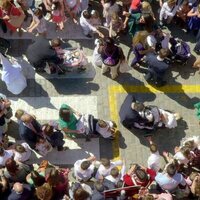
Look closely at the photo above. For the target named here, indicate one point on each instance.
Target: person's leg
(113, 71)
(197, 63)
(105, 68)
(138, 56)
(3, 26)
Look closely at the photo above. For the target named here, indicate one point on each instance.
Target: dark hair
(1, 150)
(65, 113)
(57, 5)
(185, 151)
(38, 13)
(114, 172)
(48, 129)
(105, 162)
(149, 21)
(171, 170)
(141, 174)
(139, 106)
(85, 165)
(80, 194)
(86, 14)
(11, 165)
(163, 53)
(56, 42)
(53, 177)
(19, 148)
(37, 179)
(109, 42)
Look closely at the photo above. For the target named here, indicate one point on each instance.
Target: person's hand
(101, 35)
(6, 17)
(176, 149)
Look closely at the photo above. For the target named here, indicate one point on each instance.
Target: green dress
(71, 125)
(197, 106)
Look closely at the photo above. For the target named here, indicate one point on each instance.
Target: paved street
(92, 92)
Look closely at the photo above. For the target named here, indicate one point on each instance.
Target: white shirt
(22, 157)
(80, 174)
(166, 11)
(105, 132)
(7, 154)
(153, 161)
(181, 158)
(102, 171)
(86, 23)
(170, 119)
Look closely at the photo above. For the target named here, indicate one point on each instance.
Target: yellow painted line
(117, 89)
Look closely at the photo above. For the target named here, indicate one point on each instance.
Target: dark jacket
(41, 51)
(157, 66)
(25, 195)
(29, 136)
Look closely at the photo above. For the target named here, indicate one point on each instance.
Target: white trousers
(113, 70)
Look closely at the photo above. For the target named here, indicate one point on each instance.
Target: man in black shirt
(40, 52)
(157, 67)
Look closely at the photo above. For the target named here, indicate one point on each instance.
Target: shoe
(161, 83)
(88, 36)
(81, 69)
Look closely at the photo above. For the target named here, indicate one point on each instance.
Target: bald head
(26, 118)
(18, 187)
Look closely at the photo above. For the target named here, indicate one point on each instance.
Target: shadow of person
(74, 86)
(174, 137)
(184, 71)
(175, 91)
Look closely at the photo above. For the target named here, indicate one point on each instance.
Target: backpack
(109, 60)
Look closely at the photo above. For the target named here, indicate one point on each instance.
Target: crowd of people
(152, 47)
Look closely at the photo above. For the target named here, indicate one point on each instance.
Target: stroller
(180, 51)
(74, 58)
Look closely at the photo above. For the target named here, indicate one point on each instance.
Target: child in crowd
(87, 25)
(22, 152)
(154, 159)
(116, 25)
(106, 129)
(58, 14)
(43, 146)
(38, 23)
(95, 18)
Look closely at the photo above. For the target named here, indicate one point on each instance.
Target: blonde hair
(146, 6)
(140, 37)
(19, 113)
(171, 2)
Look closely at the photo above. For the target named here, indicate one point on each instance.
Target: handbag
(124, 67)
(16, 21)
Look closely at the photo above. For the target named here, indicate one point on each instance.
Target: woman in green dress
(68, 120)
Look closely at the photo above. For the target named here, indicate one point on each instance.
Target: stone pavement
(107, 99)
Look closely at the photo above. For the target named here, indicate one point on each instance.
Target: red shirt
(129, 182)
(135, 4)
(12, 11)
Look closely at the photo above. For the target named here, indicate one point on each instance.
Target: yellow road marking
(117, 89)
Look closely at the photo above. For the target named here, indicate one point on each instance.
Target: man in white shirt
(87, 26)
(4, 155)
(170, 179)
(154, 159)
(116, 175)
(84, 169)
(105, 167)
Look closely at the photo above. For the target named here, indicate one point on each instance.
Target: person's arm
(66, 130)
(33, 25)
(192, 13)
(162, 12)
(126, 14)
